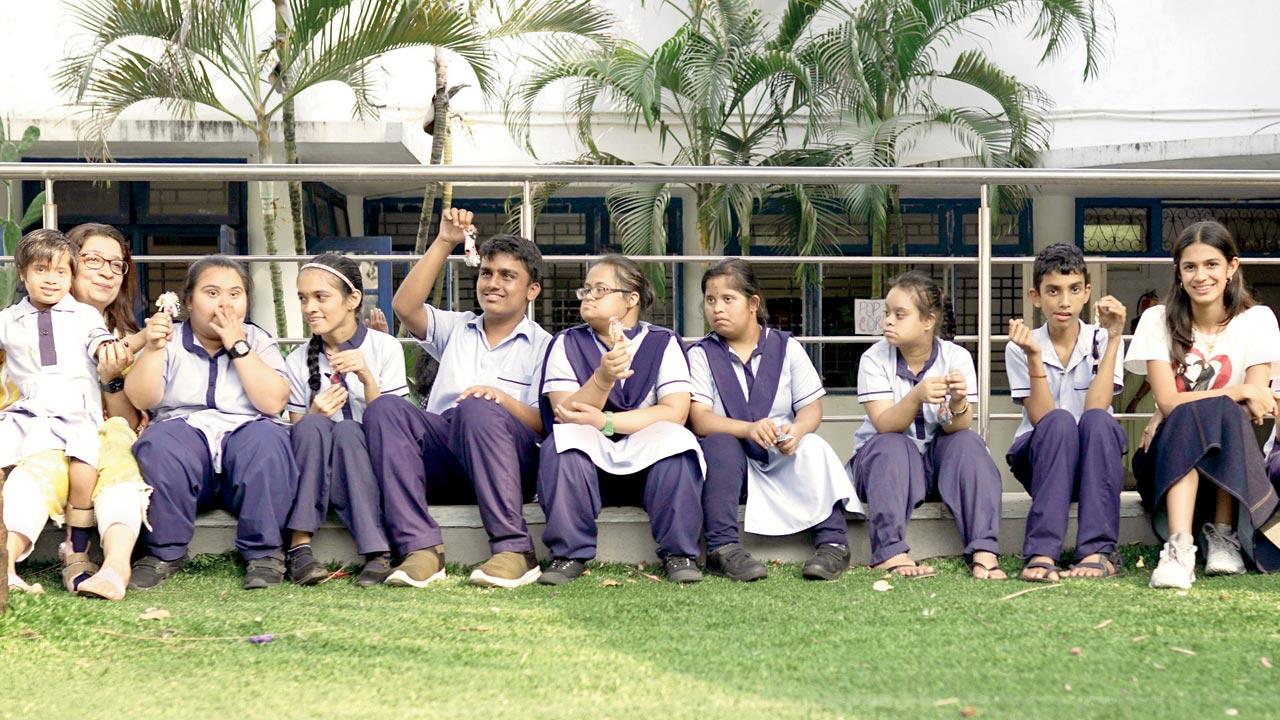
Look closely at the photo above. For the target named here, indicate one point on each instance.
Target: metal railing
(977, 180)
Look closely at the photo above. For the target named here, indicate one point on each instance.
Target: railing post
(984, 312)
(50, 207)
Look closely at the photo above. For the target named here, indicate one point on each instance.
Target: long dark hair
(930, 301)
(121, 313)
(741, 278)
(351, 271)
(1177, 304)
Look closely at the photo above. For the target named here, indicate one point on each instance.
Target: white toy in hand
(169, 303)
(470, 255)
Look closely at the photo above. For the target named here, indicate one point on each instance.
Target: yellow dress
(116, 464)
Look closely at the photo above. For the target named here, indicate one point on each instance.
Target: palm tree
(210, 53)
(832, 82)
(575, 23)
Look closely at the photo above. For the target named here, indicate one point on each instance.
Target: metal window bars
(981, 179)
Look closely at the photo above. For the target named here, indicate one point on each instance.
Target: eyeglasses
(95, 262)
(598, 292)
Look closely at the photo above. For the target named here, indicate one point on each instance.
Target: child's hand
(931, 390)
(580, 413)
(615, 365)
(957, 388)
(159, 331)
(763, 433)
(453, 225)
(113, 358)
(330, 400)
(1020, 335)
(788, 446)
(351, 361)
(230, 328)
(378, 321)
(1111, 314)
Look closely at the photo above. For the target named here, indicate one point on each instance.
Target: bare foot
(903, 566)
(986, 566)
(1031, 573)
(1107, 569)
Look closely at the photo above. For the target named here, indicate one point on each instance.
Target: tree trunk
(440, 107)
(266, 191)
(295, 187)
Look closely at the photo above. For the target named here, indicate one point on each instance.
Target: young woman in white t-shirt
(1207, 353)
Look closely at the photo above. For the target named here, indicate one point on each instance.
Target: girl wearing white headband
(342, 369)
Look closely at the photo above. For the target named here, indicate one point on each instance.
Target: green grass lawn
(617, 644)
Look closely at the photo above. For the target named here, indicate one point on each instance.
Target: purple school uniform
(808, 489)
(581, 470)
(1071, 453)
(51, 358)
(332, 453)
(460, 452)
(208, 447)
(895, 472)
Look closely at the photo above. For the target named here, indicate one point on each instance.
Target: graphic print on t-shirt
(1200, 373)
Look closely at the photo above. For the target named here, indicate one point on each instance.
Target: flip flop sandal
(988, 569)
(1109, 565)
(896, 571)
(1048, 567)
(105, 584)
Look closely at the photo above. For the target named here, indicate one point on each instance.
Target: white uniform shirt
(883, 375)
(673, 373)
(67, 336)
(206, 391)
(383, 356)
(1070, 385)
(798, 385)
(458, 342)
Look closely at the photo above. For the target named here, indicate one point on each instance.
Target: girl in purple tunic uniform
(618, 401)
(918, 389)
(757, 402)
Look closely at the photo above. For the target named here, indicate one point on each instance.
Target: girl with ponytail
(343, 367)
(918, 389)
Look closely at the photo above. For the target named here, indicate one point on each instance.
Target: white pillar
(1053, 219)
(691, 289)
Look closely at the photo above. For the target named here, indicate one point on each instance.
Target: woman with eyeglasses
(618, 392)
(104, 279)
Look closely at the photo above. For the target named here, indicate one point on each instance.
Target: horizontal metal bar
(993, 416)
(579, 259)
(514, 174)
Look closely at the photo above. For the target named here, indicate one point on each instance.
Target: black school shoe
(828, 562)
(681, 569)
(561, 571)
(375, 570)
(150, 571)
(734, 562)
(304, 568)
(264, 572)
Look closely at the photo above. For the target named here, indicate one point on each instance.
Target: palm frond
(578, 18)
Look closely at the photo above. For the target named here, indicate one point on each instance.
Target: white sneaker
(1223, 554)
(1177, 568)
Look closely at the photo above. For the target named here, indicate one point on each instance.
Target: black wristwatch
(111, 387)
(239, 349)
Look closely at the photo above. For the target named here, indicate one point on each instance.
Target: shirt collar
(66, 304)
(758, 351)
(522, 328)
(190, 345)
(1083, 347)
(357, 339)
(905, 373)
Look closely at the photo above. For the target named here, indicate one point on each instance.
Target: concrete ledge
(625, 536)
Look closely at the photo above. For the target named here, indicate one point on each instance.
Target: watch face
(240, 348)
